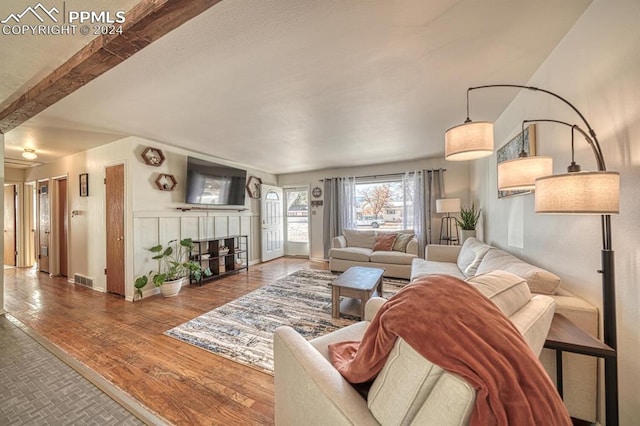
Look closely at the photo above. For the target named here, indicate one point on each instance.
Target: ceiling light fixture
(575, 192)
(29, 154)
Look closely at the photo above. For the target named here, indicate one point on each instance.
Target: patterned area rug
(242, 330)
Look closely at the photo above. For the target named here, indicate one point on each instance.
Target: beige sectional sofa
(359, 248)
(410, 390)
(476, 258)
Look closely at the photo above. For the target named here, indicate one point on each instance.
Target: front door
(272, 222)
(44, 226)
(114, 201)
(10, 225)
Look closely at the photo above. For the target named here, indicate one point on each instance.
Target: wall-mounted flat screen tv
(214, 184)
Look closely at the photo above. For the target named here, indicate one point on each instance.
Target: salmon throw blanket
(454, 326)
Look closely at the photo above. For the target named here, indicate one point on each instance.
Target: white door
(272, 222)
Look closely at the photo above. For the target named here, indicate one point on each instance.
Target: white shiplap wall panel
(221, 227)
(145, 235)
(245, 229)
(189, 227)
(234, 225)
(207, 227)
(168, 229)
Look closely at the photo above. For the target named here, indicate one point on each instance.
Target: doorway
(63, 226)
(10, 246)
(44, 233)
(296, 221)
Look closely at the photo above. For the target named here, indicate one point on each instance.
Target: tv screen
(214, 184)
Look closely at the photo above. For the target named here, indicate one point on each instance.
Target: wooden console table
(565, 336)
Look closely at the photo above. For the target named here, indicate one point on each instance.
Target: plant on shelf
(172, 267)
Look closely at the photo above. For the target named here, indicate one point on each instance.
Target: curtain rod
(389, 174)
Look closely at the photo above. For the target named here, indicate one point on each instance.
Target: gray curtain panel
(339, 208)
(434, 189)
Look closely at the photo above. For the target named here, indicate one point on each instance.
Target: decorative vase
(171, 288)
(466, 233)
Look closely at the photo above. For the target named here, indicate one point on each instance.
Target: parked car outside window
(372, 221)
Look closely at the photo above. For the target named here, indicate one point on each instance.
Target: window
(381, 203)
(297, 215)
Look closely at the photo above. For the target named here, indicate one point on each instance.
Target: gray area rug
(242, 330)
(37, 388)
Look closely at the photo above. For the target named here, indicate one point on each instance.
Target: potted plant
(172, 267)
(467, 222)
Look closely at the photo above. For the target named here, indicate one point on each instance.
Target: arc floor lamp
(575, 192)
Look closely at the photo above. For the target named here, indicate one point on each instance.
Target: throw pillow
(471, 255)
(401, 242)
(384, 242)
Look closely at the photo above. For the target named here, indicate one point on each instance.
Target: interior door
(63, 229)
(114, 201)
(44, 226)
(271, 216)
(10, 225)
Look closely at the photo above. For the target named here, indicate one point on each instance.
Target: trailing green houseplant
(171, 264)
(468, 218)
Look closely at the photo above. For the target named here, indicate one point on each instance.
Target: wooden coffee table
(357, 282)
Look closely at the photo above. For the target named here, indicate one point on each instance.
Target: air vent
(81, 279)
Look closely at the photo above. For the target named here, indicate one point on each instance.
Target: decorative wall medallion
(153, 156)
(316, 192)
(253, 186)
(166, 182)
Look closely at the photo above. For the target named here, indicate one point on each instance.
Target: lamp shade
(469, 141)
(579, 193)
(448, 205)
(520, 174)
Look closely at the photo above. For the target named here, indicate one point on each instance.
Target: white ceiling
(294, 85)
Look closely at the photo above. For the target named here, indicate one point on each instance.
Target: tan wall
(597, 68)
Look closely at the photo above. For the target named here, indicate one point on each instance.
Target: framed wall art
(84, 184)
(511, 150)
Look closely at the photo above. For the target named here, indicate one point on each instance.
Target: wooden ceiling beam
(145, 23)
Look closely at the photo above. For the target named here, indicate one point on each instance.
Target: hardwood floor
(123, 342)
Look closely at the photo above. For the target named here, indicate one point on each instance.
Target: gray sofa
(410, 390)
(358, 248)
(475, 258)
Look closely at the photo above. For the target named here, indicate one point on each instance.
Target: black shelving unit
(219, 257)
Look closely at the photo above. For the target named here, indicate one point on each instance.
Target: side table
(565, 336)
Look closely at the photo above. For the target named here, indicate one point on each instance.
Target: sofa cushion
(358, 254)
(402, 386)
(539, 280)
(384, 242)
(470, 256)
(402, 239)
(420, 267)
(507, 291)
(392, 257)
(366, 239)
